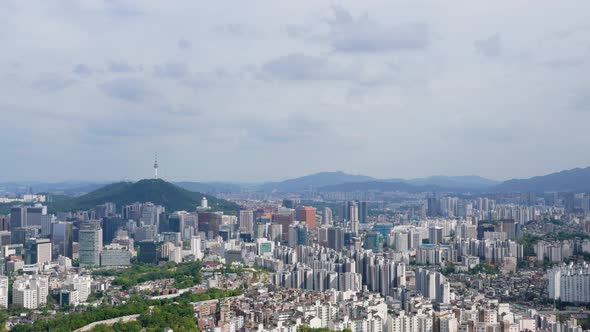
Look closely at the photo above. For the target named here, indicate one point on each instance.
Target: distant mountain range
(340, 181)
(157, 191)
(574, 180)
(577, 180)
(313, 181)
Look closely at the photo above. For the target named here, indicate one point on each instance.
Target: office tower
(46, 221)
(433, 206)
(176, 221)
(374, 241)
(275, 233)
(105, 210)
(298, 235)
(4, 223)
(3, 292)
(28, 215)
(38, 251)
(90, 242)
(585, 204)
(150, 214)
(18, 217)
(115, 255)
(110, 226)
(225, 232)
(260, 230)
(172, 237)
(289, 203)
(435, 235)
(146, 233)
(285, 218)
(209, 222)
(196, 247)
(22, 234)
(246, 221)
(61, 238)
(327, 217)
(30, 291)
(306, 214)
(264, 247)
(132, 211)
(5, 238)
(363, 212)
(148, 252)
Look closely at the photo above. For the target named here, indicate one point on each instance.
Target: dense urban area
(299, 259)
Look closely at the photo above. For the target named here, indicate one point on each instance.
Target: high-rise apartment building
(196, 247)
(3, 292)
(30, 291)
(327, 216)
(569, 283)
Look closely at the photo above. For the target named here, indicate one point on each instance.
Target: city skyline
(389, 89)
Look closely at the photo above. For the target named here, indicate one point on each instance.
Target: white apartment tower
(3, 292)
(30, 291)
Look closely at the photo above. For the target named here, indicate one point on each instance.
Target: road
(123, 319)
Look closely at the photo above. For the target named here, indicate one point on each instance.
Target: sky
(265, 90)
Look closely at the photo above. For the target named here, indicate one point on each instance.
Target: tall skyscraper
(150, 214)
(4, 223)
(62, 234)
(298, 235)
(285, 218)
(306, 214)
(354, 217)
(38, 251)
(327, 216)
(363, 212)
(246, 221)
(435, 235)
(23, 216)
(90, 242)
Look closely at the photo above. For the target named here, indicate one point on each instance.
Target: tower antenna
(156, 166)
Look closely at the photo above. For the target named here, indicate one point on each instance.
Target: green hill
(157, 191)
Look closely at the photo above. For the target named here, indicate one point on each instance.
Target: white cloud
(386, 88)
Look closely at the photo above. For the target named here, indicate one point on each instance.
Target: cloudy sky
(266, 90)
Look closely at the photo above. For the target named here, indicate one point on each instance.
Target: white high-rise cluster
(30, 291)
(569, 283)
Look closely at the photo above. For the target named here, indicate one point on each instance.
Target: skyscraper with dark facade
(62, 234)
(363, 212)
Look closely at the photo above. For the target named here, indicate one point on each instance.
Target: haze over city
(294, 166)
(259, 91)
